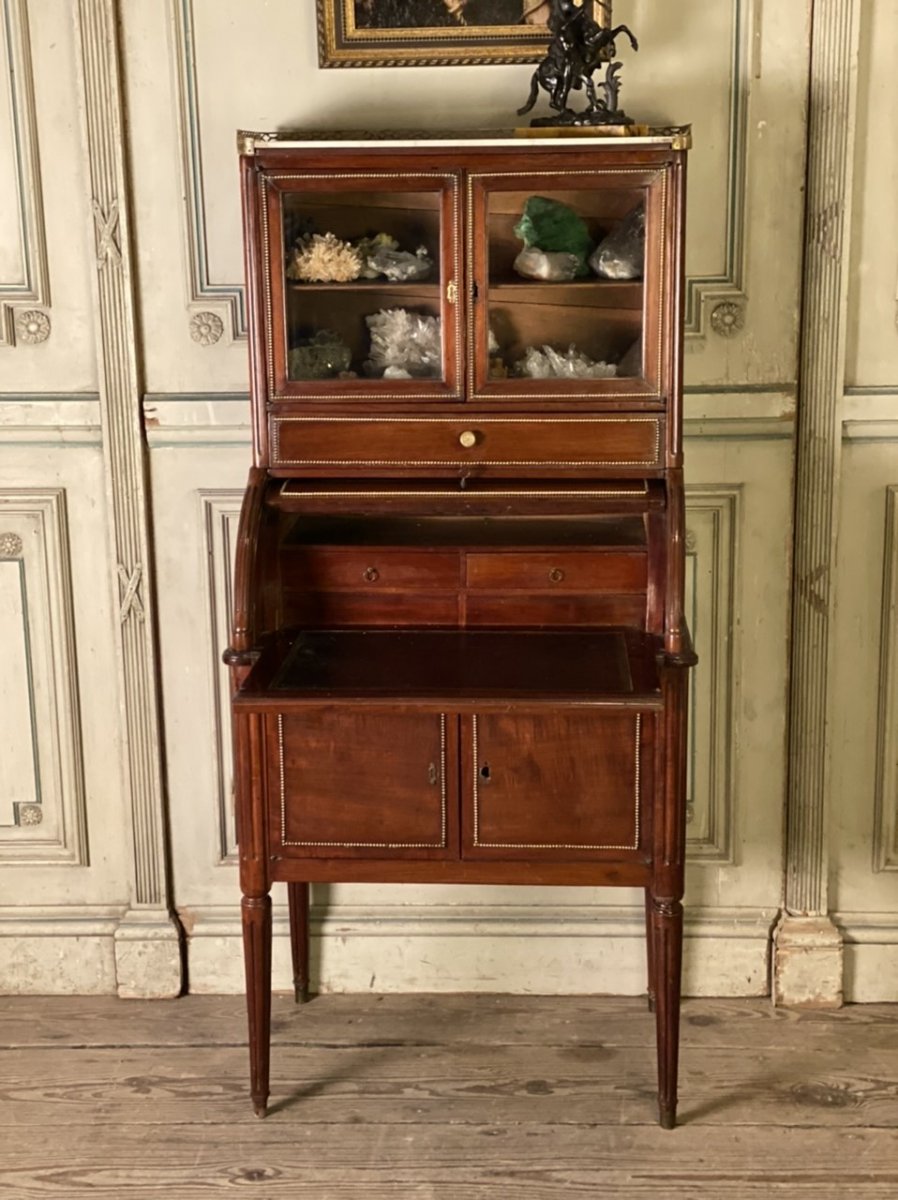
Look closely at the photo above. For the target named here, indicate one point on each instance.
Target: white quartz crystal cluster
(404, 345)
(548, 363)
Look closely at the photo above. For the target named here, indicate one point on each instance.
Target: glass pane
(363, 289)
(565, 284)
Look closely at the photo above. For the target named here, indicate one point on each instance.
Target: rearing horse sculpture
(578, 47)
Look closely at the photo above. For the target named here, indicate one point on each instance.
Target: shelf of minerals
(565, 301)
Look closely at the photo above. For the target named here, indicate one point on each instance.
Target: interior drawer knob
(468, 438)
(556, 575)
(371, 575)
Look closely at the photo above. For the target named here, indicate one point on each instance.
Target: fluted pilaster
(124, 455)
(831, 139)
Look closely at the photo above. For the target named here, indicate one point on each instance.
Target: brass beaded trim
(637, 789)
(444, 809)
(393, 493)
(269, 306)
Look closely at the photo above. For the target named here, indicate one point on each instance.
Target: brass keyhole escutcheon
(433, 775)
(371, 575)
(556, 575)
(468, 438)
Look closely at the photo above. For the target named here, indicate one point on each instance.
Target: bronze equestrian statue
(578, 48)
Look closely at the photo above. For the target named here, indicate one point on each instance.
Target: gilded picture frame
(350, 32)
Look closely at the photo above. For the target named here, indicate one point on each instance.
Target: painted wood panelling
(191, 77)
(221, 514)
(42, 804)
(24, 270)
(712, 555)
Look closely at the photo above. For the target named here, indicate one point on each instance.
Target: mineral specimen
(399, 265)
(367, 247)
(549, 363)
(557, 266)
(323, 356)
(622, 253)
(324, 258)
(407, 340)
(553, 226)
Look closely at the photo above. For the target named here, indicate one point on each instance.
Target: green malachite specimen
(551, 225)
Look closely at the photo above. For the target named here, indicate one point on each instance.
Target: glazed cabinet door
(556, 784)
(596, 328)
(362, 276)
(359, 783)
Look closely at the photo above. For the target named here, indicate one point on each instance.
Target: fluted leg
(298, 902)
(649, 951)
(256, 912)
(667, 942)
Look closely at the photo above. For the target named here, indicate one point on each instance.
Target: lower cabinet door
(556, 785)
(361, 783)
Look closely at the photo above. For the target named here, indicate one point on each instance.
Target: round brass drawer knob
(556, 575)
(468, 438)
(372, 575)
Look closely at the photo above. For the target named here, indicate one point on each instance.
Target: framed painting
(434, 33)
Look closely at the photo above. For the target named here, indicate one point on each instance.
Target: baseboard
(559, 950)
(60, 951)
(871, 956)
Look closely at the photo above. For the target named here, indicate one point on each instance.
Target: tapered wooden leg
(667, 942)
(256, 911)
(649, 950)
(298, 902)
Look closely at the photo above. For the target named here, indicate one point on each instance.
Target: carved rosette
(206, 328)
(29, 814)
(32, 326)
(10, 545)
(728, 319)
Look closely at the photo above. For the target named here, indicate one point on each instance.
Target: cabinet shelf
(616, 666)
(586, 293)
(422, 289)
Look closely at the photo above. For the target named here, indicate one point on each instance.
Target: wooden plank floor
(444, 1097)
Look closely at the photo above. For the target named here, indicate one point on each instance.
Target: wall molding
(33, 288)
(229, 299)
(705, 293)
(49, 818)
(712, 557)
(885, 825)
(220, 515)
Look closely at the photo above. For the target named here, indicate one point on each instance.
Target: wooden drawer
(349, 783)
(369, 607)
(567, 571)
(335, 443)
(372, 568)
(559, 611)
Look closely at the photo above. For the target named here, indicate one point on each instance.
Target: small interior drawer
(323, 567)
(558, 571)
